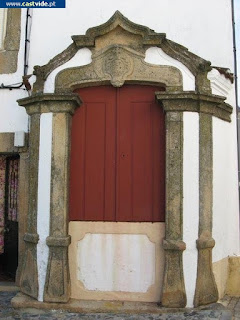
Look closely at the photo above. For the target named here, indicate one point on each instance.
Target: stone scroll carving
(118, 65)
(119, 31)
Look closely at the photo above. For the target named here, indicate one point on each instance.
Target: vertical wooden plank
(124, 158)
(110, 157)
(142, 161)
(158, 156)
(92, 181)
(76, 197)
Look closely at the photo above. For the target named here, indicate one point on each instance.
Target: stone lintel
(194, 102)
(51, 102)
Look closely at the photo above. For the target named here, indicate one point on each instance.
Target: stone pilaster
(174, 295)
(29, 274)
(57, 285)
(57, 281)
(206, 290)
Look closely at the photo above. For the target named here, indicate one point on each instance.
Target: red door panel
(92, 171)
(118, 156)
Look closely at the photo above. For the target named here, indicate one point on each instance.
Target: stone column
(206, 290)
(29, 274)
(57, 285)
(174, 295)
(207, 105)
(57, 282)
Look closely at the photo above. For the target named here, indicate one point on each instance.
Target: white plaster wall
(157, 56)
(12, 117)
(225, 190)
(43, 217)
(204, 27)
(190, 201)
(81, 58)
(118, 262)
(225, 183)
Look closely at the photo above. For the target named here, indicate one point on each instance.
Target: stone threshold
(117, 307)
(8, 286)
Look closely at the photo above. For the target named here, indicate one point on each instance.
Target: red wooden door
(118, 156)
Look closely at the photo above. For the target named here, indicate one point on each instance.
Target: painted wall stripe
(44, 177)
(190, 201)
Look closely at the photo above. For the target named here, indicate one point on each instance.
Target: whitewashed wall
(12, 117)
(205, 28)
(202, 26)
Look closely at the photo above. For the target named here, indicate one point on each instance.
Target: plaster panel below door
(118, 262)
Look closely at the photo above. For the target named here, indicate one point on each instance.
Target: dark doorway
(9, 217)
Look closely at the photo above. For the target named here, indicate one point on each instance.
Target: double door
(117, 170)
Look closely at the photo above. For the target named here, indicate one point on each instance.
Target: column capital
(195, 102)
(51, 102)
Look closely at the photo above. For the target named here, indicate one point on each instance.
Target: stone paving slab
(7, 312)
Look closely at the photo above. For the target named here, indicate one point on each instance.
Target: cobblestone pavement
(8, 313)
(232, 304)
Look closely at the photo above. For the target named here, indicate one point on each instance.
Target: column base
(57, 285)
(206, 289)
(29, 274)
(174, 295)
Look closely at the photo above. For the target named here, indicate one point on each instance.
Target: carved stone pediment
(119, 32)
(122, 31)
(117, 65)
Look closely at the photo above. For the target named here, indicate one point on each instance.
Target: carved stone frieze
(118, 65)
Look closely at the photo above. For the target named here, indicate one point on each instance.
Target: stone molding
(58, 242)
(31, 237)
(9, 55)
(118, 31)
(118, 65)
(174, 245)
(194, 102)
(50, 102)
